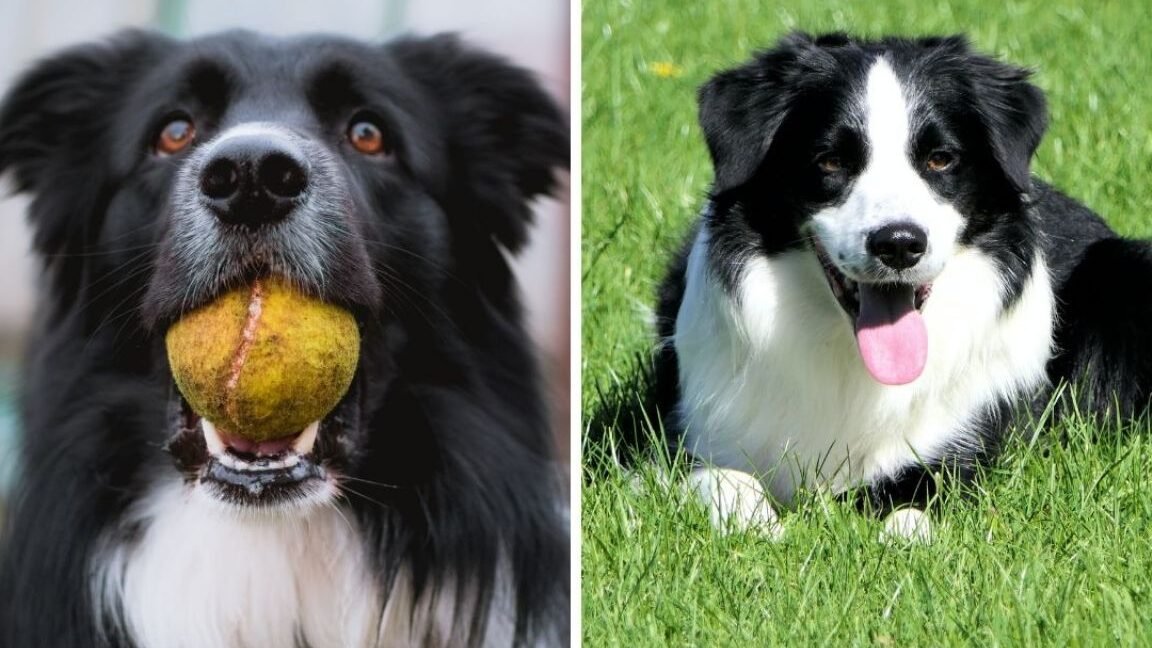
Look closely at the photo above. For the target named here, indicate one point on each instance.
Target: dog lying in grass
(877, 284)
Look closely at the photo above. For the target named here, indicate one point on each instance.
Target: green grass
(1054, 547)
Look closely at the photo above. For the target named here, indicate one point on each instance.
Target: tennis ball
(264, 361)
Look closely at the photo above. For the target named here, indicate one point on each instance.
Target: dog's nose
(899, 245)
(251, 181)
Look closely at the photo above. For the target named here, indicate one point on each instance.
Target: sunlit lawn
(1054, 549)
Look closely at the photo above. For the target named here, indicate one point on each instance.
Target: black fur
(451, 413)
(761, 118)
(766, 121)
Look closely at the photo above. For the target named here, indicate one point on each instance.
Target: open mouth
(886, 316)
(847, 291)
(264, 393)
(284, 470)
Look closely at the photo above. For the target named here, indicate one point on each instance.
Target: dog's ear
(1014, 113)
(506, 136)
(55, 121)
(741, 109)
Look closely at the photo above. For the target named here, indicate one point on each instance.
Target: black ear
(741, 109)
(1014, 113)
(506, 136)
(55, 124)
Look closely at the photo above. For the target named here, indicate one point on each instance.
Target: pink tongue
(890, 333)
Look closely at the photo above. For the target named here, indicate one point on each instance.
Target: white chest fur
(772, 382)
(200, 575)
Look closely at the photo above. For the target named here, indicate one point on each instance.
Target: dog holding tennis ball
(280, 392)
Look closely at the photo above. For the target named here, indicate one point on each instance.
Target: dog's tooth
(228, 461)
(307, 439)
(212, 438)
(291, 460)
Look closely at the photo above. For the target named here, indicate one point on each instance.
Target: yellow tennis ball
(262, 362)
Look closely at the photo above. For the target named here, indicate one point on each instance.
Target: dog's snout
(252, 181)
(899, 245)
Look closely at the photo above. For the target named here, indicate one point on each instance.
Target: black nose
(250, 180)
(898, 246)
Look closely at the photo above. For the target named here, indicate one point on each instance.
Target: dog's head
(884, 159)
(385, 179)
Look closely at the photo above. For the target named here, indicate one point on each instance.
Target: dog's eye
(830, 164)
(175, 136)
(367, 138)
(939, 161)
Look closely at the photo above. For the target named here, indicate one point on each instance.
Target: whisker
(93, 254)
(348, 489)
(367, 481)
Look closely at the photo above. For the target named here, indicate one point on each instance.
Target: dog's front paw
(907, 525)
(736, 501)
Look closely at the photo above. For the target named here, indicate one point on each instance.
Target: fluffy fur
(428, 511)
(818, 145)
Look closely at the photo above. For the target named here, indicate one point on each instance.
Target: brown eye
(830, 164)
(176, 135)
(939, 161)
(367, 137)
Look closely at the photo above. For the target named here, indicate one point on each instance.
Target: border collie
(391, 180)
(877, 283)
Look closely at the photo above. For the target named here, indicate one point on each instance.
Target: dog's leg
(907, 524)
(736, 501)
(901, 499)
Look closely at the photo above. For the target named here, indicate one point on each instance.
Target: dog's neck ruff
(185, 572)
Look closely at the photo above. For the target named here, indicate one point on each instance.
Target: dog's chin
(294, 473)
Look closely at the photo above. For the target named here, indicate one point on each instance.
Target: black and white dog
(877, 282)
(391, 180)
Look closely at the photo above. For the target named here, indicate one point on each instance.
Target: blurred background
(533, 34)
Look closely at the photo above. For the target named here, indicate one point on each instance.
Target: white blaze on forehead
(886, 115)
